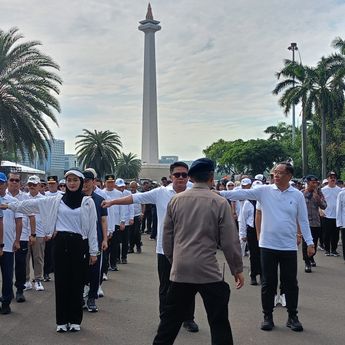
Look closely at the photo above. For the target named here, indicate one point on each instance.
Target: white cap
(259, 177)
(34, 179)
(63, 181)
(92, 170)
(324, 181)
(230, 183)
(120, 182)
(256, 184)
(246, 181)
(74, 172)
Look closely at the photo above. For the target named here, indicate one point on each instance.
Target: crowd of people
(81, 227)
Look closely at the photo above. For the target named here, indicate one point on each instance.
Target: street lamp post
(293, 48)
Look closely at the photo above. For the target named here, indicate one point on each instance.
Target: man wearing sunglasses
(161, 197)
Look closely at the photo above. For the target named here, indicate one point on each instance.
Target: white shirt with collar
(281, 211)
(331, 194)
(161, 197)
(9, 218)
(26, 231)
(115, 211)
(246, 218)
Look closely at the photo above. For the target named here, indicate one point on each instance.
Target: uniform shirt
(340, 210)
(281, 211)
(40, 231)
(161, 197)
(9, 224)
(26, 230)
(331, 195)
(197, 220)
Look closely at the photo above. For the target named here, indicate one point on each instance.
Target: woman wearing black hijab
(70, 218)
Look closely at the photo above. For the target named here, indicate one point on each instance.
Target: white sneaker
(100, 292)
(28, 286)
(61, 328)
(283, 300)
(86, 291)
(105, 277)
(73, 327)
(38, 286)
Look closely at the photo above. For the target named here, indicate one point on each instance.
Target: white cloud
(215, 63)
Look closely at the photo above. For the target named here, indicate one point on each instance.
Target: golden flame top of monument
(149, 15)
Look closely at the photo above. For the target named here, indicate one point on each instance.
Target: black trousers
(154, 222)
(20, 265)
(48, 258)
(69, 261)
(164, 268)
(120, 243)
(113, 249)
(315, 232)
(330, 234)
(6, 265)
(342, 230)
(287, 261)
(147, 220)
(215, 297)
(134, 233)
(253, 245)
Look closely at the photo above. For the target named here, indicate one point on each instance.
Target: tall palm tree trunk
(323, 143)
(304, 143)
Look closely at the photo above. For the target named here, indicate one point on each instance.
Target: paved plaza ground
(128, 314)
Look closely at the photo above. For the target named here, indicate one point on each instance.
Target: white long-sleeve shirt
(340, 210)
(246, 218)
(281, 212)
(127, 211)
(115, 212)
(48, 208)
(330, 194)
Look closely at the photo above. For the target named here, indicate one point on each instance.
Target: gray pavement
(129, 312)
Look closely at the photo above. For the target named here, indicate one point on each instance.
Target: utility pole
(293, 47)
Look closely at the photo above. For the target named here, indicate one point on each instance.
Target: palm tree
(282, 130)
(98, 150)
(295, 88)
(128, 166)
(27, 84)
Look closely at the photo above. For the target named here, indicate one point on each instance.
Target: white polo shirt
(246, 218)
(281, 211)
(9, 224)
(331, 194)
(26, 231)
(113, 211)
(40, 232)
(161, 197)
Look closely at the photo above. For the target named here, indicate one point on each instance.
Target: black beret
(201, 165)
(110, 177)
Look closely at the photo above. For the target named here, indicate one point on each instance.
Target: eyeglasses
(280, 173)
(183, 175)
(62, 185)
(32, 185)
(14, 180)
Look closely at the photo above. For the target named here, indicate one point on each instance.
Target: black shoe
(46, 278)
(124, 261)
(294, 324)
(113, 268)
(253, 281)
(267, 324)
(91, 305)
(307, 269)
(139, 250)
(327, 253)
(313, 263)
(335, 253)
(191, 326)
(20, 298)
(5, 309)
(130, 251)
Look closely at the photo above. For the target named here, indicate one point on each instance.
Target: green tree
(27, 87)
(128, 166)
(99, 150)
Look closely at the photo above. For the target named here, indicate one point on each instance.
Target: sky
(216, 63)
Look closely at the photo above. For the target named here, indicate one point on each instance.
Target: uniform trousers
(287, 261)
(20, 265)
(330, 234)
(315, 233)
(134, 233)
(215, 297)
(6, 265)
(69, 277)
(120, 239)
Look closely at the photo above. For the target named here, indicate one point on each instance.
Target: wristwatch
(33, 235)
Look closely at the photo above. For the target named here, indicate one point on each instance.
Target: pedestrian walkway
(129, 311)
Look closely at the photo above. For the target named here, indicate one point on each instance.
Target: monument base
(154, 172)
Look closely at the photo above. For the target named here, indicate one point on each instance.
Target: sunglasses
(14, 180)
(183, 175)
(62, 185)
(32, 184)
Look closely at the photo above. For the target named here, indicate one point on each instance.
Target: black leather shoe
(307, 269)
(267, 324)
(5, 309)
(191, 326)
(20, 298)
(294, 324)
(313, 263)
(253, 281)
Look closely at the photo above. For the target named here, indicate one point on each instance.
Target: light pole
(293, 47)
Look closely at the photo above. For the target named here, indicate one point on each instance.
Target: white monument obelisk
(149, 148)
